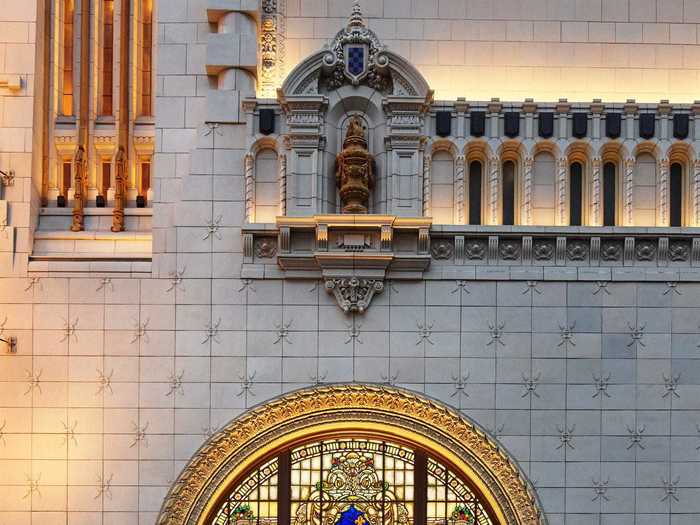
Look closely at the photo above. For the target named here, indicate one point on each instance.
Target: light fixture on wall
(10, 344)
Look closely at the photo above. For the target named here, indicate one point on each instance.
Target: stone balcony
(97, 249)
(322, 247)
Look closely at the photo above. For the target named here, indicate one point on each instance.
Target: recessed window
(145, 178)
(508, 215)
(106, 177)
(67, 176)
(475, 177)
(609, 193)
(676, 195)
(576, 194)
(443, 188)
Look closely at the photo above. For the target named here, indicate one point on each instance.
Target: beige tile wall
(512, 49)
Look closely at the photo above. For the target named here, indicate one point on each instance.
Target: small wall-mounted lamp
(11, 82)
(10, 344)
(8, 177)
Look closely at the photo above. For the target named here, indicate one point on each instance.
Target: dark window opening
(145, 178)
(475, 193)
(509, 193)
(609, 193)
(67, 177)
(106, 177)
(676, 218)
(576, 194)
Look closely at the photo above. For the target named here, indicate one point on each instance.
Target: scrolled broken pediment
(355, 57)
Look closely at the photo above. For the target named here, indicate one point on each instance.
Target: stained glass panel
(450, 500)
(370, 481)
(254, 501)
(351, 481)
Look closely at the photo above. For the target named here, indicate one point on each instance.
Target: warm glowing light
(577, 82)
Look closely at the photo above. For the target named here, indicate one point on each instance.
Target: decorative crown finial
(356, 19)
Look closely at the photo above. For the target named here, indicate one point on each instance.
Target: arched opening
(543, 189)
(330, 455)
(609, 194)
(475, 188)
(508, 194)
(644, 200)
(443, 188)
(575, 194)
(676, 194)
(266, 186)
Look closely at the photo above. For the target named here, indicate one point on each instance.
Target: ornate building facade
(306, 262)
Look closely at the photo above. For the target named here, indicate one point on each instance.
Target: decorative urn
(354, 170)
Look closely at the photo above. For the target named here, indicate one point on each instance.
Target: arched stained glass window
(254, 500)
(352, 481)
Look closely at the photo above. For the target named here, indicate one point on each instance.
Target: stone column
(249, 166)
(696, 192)
(459, 190)
(283, 184)
(526, 212)
(494, 187)
(662, 189)
(272, 47)
(562, 190)
(628, 192)
(596, 196)
(427, 195)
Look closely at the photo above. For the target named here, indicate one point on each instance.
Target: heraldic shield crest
(356, 61)
(356, 55)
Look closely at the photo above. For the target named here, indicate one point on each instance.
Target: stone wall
(17, 142)
(592, 387)
(513, 49)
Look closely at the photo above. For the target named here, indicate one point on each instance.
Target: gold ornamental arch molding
(309, 413)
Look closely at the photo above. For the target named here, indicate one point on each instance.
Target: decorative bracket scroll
(354, 294)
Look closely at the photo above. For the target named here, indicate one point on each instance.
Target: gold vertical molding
(120, 181)
(597, 166)
(494, 187)
(122, 161)
(272, 47)
(80, 190)
(41, 117)
(81, 156)
(562, 189)
(459, 190)
(528, 167)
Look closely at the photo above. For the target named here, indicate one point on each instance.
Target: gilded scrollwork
(404, 412)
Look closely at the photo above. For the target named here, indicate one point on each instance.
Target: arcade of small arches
(465, 163)
(541, 185)
(512, 183)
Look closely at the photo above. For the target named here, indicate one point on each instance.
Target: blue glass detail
(356, 60)
(352, 516)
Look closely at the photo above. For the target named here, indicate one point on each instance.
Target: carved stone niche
(354, 254)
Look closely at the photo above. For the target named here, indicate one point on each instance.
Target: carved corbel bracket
(354, 294)
(352, 254)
